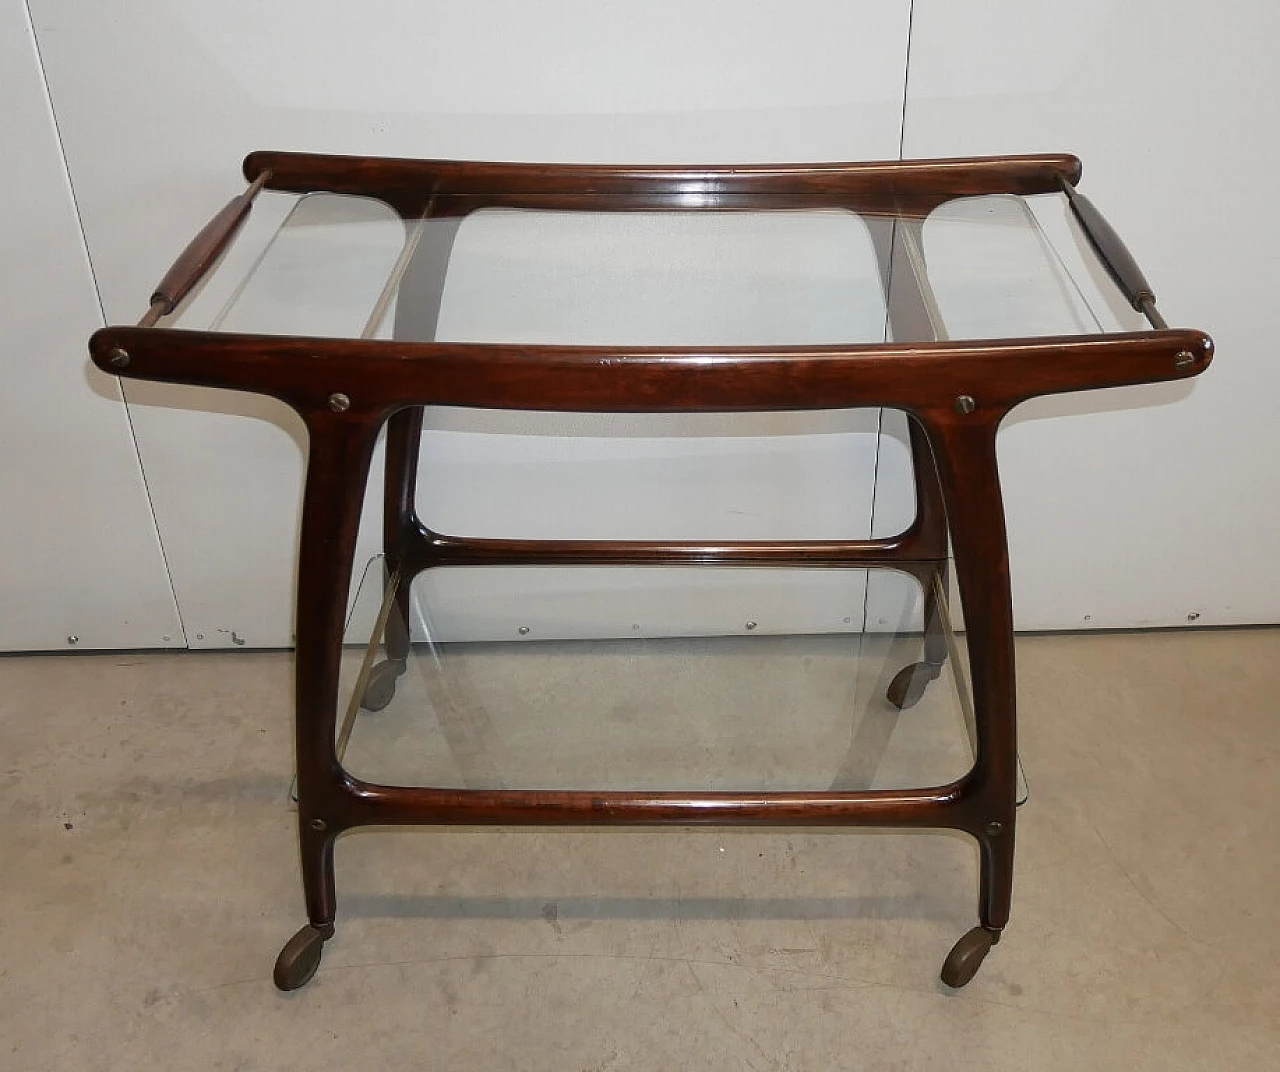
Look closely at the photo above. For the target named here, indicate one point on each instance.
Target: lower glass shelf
(762, 708)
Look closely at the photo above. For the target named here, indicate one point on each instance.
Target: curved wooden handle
(204, 249)
(1111, 249)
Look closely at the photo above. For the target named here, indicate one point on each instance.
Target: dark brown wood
(955, 393)
(1111, 250)
(381, 377)
(341, 447)
(937, 808)
(205, 249)
(435, 549)
(877, 187)
(964, 450)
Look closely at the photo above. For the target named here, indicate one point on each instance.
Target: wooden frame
(955, 393)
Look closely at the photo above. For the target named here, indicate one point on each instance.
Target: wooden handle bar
(1111, 249)
(202, 251)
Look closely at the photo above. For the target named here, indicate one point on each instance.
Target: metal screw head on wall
(339, 403)
(965, 404)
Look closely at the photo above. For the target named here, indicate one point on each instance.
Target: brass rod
(256, 186)
(362, 680)
(1153, 314)
(157, 310)
(392, 285)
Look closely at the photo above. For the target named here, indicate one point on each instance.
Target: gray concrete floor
(148, 878)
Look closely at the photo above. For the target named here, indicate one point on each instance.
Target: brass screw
(339, 402)
(1184, 359)
(995, 829)
(965, 404)
(318, 825)
(118, 357)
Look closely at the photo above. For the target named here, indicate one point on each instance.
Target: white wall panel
(78, 549)
(159, 102)
(1145, 506)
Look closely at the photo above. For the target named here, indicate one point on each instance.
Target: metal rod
(362, 680)
(1153, 314)
(920, 273)
(392, 285)
(256, 186)
(158, 309)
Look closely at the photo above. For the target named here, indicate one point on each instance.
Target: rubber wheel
(300, 958)
(908, 685)
(380, 689)
(966, 956)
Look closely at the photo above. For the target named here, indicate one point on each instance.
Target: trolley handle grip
(1111, 250)
(202, 252)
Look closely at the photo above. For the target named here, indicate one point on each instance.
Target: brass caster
(300, 957)
(380, 689)
(909, 683)
(967, 955)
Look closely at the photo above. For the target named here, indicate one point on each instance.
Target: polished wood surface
(205, 249)
(955, 394)
(452, 187)
(381, 376)
(1110, 248)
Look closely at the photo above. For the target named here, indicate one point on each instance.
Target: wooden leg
(995, 862)
(927, 541)
(400, 519)
(318, 884)
(399, 524)
(964, 450)
(935, 619)
(908, 685)
(337, 469)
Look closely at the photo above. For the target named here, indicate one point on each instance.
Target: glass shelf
(755, 708)
(345, 266)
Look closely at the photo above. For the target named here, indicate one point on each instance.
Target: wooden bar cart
(954, 388)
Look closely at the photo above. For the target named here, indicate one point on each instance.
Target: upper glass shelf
(350, 267)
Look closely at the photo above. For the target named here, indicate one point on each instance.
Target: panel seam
(102, 315)
(893, 247)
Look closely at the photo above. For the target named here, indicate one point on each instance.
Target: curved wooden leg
(935, 619)
(963, 446)
(341, 444)
(300, 958)
(380, 687)
(927, 539)
(909, 684)
(995, 888)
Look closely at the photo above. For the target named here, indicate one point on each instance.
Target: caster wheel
(300, 957)
(908, 685)
(380, 689)
(966, 956)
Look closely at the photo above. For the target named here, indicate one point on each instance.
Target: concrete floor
(148, 879)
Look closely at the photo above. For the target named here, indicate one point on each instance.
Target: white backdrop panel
(78, 549)
(1144, 506)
